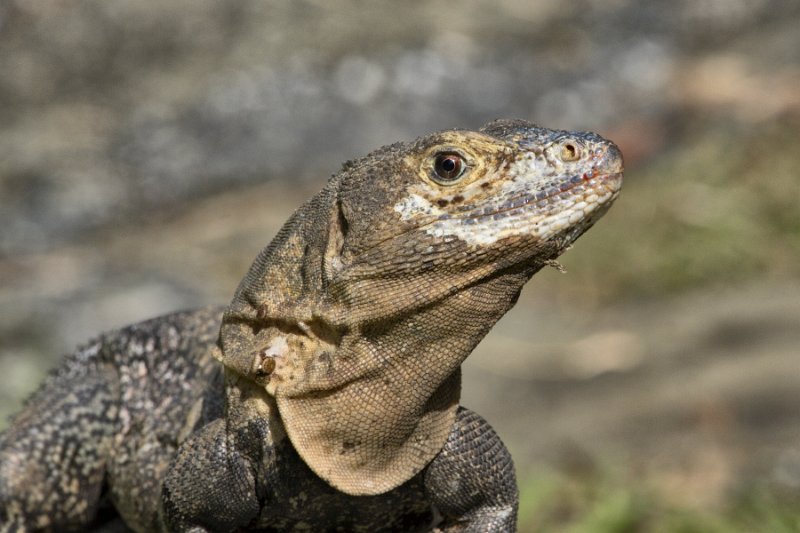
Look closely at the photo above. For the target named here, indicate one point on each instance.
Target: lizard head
(459, 206)
(358, 315)
(509, 193)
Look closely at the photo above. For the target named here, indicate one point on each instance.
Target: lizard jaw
(529, 185)
(567, 206)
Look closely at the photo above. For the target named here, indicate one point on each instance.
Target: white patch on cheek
(413, 206)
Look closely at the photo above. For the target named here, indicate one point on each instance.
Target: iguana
(325, 397)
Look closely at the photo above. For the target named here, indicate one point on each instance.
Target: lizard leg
(210, 486)
(54, 455)
(472, 482)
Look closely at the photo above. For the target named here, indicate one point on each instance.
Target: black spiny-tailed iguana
(325, 397)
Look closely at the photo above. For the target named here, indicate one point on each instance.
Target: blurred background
(149, 149)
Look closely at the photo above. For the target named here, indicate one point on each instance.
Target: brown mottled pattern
(335, 406)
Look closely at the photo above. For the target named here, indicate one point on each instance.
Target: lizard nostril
(569, 151)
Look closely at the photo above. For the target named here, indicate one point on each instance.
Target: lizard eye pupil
(448, 167)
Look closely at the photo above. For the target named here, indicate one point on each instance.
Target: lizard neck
(364, 370)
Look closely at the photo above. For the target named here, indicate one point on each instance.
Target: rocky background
(148, 150)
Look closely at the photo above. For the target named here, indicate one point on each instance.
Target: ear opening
(338, 228)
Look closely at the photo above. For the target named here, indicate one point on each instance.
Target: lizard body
(329, 399)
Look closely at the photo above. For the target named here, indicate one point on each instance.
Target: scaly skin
(330, 402)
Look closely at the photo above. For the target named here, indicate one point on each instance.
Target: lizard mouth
(568, 206)
(552, 196)
(593, 189)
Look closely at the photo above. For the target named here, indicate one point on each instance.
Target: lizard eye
(570, 151)
(447, 168)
